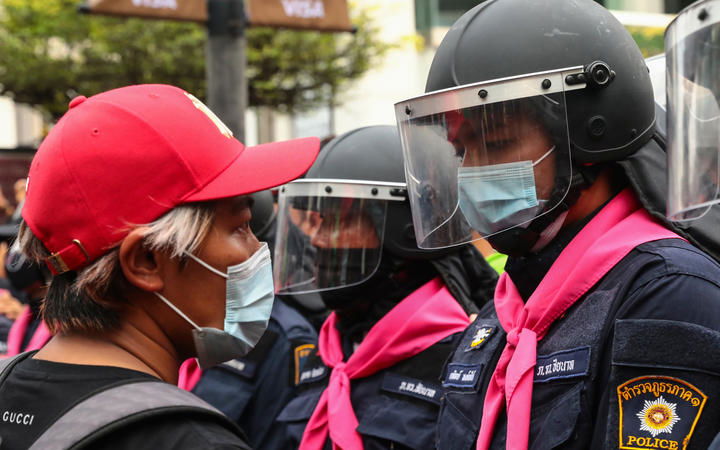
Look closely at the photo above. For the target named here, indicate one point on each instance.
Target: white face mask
(248, 304)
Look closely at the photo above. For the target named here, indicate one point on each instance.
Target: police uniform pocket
(454, 430)
(398, 423)
(554, 424)
(665, 384)
(297, 413)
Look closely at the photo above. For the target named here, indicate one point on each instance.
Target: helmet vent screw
(374, 191)
(599, 74)
(633, 133)
(328, 189)
(546, 84)
(483, 93)
(596, 127)
(703, 15)
(408, 110)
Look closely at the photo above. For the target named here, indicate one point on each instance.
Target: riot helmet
(351, 208)
(21, 272)
(524, 101)
(692, 43)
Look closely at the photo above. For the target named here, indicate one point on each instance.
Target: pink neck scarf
(425, 317)
(189, 374)
(19, 329)
(618, 228)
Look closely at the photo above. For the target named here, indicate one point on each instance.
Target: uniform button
(77, 100)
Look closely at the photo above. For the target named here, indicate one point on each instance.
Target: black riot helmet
(508, 38)
(525, 99)
(263, 215)
(351, 207)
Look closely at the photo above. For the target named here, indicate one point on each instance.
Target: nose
(321, 237)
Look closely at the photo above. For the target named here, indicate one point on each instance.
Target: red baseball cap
(127, 156)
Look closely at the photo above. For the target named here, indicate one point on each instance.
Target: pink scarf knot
(614, 232)
(425, 317)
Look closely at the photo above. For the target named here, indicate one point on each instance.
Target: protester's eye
(244, 227)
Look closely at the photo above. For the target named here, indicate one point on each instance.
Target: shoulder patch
(571, 363)
(300, 356)
(308, 365)
(481, 336)
(462, 375)
(410, 386)
(658, 412)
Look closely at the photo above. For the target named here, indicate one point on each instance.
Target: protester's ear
(141, 266)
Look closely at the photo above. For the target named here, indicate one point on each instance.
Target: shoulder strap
(119, 406)
(7, 364)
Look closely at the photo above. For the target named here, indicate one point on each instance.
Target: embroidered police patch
(302, 352)
(658, 412)
(412, 387)
(240, 366)
(462, 375)
(571, 363)
(481, 337)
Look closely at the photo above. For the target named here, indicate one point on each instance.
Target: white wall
(8, 125)
(20, 125)
(401, 75)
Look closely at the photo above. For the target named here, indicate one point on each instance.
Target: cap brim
(261, 167)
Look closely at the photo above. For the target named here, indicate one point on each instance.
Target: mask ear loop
(552, 149)
(206, 265)
(177, 310)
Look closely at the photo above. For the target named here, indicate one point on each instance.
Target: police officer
(138, 205)
(253, 390)
(373, 380)
(604, 332)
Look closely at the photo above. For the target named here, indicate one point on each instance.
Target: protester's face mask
(249, 300)
(500, 196)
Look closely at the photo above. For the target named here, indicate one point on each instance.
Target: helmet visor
(330, 233)
(693, 86)
(481, 159)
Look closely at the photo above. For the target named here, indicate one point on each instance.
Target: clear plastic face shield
(692, 45)
(330, 233)
(483, 158)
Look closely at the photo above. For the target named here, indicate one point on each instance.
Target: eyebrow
(241, 203)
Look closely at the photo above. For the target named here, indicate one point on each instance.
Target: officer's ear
(141, 266)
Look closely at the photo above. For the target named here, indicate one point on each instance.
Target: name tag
(462, 375)
(412, 387)
(563, 364)
(241, 367)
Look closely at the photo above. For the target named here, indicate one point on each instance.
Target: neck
(137, 344)
(591, 199)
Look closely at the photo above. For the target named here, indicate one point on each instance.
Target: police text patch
(571, 363)
(242, 367)
(412, 387)
(462, 375)
(658, 412)
(480, 337)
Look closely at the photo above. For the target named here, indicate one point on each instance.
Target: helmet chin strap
(521, 241)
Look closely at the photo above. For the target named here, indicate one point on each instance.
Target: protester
(604, 329)
(398, 311)
(254, 389)
(137, 203)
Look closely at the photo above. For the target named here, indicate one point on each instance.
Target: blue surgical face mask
(248, 304)
(501, 196)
